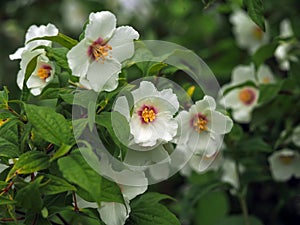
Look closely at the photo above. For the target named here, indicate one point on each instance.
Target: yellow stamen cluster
(101, 51)
(148, 115)
(247, 96)
(200, 124)
(43, 73)
(258, 33)
(286, 159)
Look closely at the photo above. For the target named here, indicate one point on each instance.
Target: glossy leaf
(255, 11)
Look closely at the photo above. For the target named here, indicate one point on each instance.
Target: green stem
(244, 209)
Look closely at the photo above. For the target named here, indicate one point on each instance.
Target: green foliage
(61, 39)
(255, 11)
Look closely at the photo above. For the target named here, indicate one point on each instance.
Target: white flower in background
(115, 213)
(242, 100)
(35, 32)
(230, 173)
(74, 14)
(296, 136)
(97, 58)
(284, 164)
(151, 122)
(2, 167)
(200, 128)
(248, 35)
(282, 52)
(42, 74)
(44, 71)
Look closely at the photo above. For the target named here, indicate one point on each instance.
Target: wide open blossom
(151, 122)
(243, 99)
(248, 35)
(201, 127)
(283, 51)
(284, 164)
(44, 70)
(97, 58)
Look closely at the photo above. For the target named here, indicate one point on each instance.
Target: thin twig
(76, 209)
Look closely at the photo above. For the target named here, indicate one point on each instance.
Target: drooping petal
(101, 25)
(114, 213)
(17, 54)
(122, 42)
(78, 59)
(103, 76)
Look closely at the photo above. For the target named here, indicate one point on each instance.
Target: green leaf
(64, 149)
(269, 91)
(155, 68)
(29, 69)
(8, 149)
(4, 98)
(59, 55)
(218, 207)
(29, 162)
(263, 53)
(55, 185)
(255, 11)
(61, 39)
(6, 201)
(147, 210)
(254, 144)
(116, 125)
(50, 125)
(30, 197)
(77, 171)
(239, 220)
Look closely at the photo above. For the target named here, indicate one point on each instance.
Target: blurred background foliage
(200, 25)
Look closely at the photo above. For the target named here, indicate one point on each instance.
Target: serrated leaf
(6, 201)
(29, 162)
(255, 11)
(55, 185)
(61, 39)
(148, 211)
(50, 125)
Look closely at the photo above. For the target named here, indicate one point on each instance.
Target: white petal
(184, 127)
(160, 171)
(146, 90)
(78, 59)
(206, 103)
(17, 54)
(83, 204)
(219, 123)
(232, 100)
(230, 173)
(242, 115)
(265, 75)
(167, 94)
(103, 76)
(296, 136)
(101, 25)
(2, 167)
(121, 106)
(241, 74)
(122, 42)
(20, 78)
(286, 29)
(85, 83)
(113, 213)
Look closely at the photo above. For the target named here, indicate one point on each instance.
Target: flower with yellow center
(97, 58)
(202, 126)
(247, 34)
(284, 164)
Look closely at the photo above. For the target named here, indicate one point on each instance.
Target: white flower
(151, 122)
(284, 164)
(243, 99)
(2, 167)
(230, 173)
(44, 71)
(296, 136)
(282, 52)
(115, 213)
(200, 128)
(248, 35)
(35, 32)
(97, 58)
(42, 74)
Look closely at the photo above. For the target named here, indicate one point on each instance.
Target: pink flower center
(44, 71)
(247, 96)
(147, 114)
(99, 50)
(199, 123)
